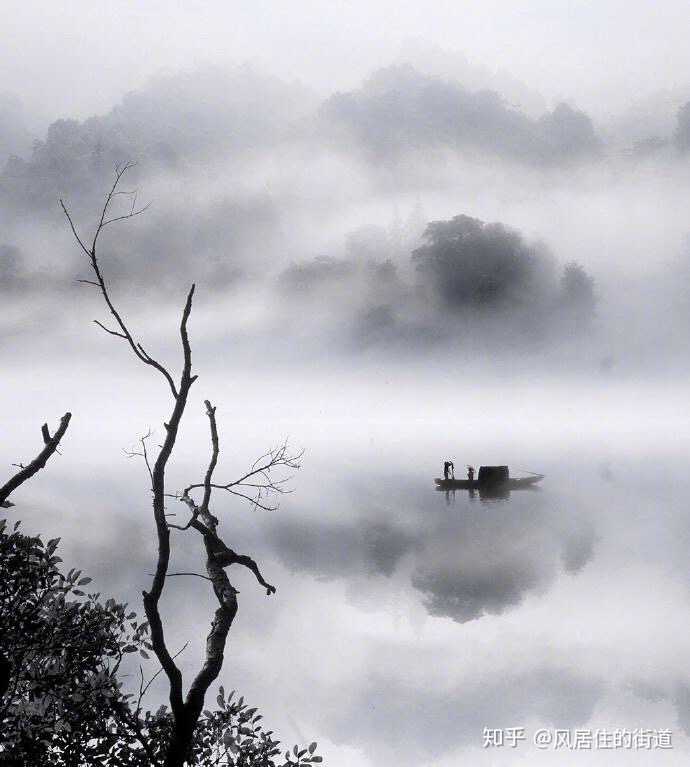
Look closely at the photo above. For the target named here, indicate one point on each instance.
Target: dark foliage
(64, 650)
(469, 263)
(488, 273)
(62, 701)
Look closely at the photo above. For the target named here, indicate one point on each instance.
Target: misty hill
(399, 108)
(209, 116)
(472, 283)
(251, 178)
(204, 116)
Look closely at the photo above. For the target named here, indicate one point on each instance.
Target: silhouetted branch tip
(143, 453)
(122, 330)
(260, 481)
(50, 446)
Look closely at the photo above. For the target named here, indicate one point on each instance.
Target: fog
(416, 233)
(605, 55)
(561, 607)
(311, 213)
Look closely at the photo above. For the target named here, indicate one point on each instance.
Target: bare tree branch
(26, 472)
(144, 454)
(262, 480)
(100, 281)
(215, 451)
(260, 477)
(255, 501)
(218, 557)
(157, 471)
(196, 575)
(223, 556)
(131, 214)
(144, 688)
(152, 597)
(107, 330)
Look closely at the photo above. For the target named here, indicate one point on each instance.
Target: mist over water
(417, 255)
(402, 611)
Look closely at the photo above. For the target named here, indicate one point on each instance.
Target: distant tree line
(489, 267)
(399, 108)
(469, 276)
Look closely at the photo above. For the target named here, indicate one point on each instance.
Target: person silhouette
(448, 470)
(470, 473)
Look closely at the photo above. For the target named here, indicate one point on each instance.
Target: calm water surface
(407, 620)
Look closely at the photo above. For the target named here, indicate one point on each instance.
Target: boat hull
(518, 483)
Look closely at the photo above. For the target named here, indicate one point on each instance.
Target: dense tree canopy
(62, 699)
(469, 263)
(63, 650)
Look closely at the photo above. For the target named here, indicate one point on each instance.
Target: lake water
(406, 621)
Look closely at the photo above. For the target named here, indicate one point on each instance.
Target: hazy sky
(77, 57)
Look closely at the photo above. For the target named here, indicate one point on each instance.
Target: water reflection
(464, 553)
(498, 493)
(404, 552)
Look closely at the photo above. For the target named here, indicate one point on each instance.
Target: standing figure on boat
(448, 470)
(470, 473)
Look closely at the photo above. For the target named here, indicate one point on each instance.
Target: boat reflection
(495, 493)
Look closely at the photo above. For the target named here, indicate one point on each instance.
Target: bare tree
(257, 486)
(26, 471)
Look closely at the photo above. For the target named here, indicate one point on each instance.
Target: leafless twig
(144, 688)
(260, 481)
(91, 253)
(143, 453)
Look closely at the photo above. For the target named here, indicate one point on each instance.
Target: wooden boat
(512, 483)
(490, 479)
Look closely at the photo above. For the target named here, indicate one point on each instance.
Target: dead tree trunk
(253, 486)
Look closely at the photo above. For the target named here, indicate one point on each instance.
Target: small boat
(490, 477)
(512, 483)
